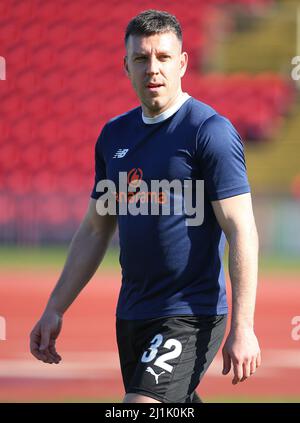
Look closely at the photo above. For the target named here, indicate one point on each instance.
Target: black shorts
(165, 358)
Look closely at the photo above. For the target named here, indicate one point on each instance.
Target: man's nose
(152, 66)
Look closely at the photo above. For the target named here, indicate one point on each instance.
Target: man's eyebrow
(144, 53)
(139, 53)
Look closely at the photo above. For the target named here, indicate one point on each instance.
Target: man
(171, 313)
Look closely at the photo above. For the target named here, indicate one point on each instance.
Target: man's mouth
(153, 85)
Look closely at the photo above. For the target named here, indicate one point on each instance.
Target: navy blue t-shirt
(168, 267)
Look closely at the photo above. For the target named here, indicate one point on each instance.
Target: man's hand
(242, 350)
(43, 337)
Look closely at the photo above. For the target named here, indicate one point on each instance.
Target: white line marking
(95, 365)
(273, 361)
(105, 365)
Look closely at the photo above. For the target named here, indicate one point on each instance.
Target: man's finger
(35, 345)
(55, 355)
(238, 372)
(226, 362)
(246, 371)
(53, 351)
(253, 366)
(44, 346)
(50, 353)
(45, 339)
(258, 360)
(40, 355)
(36, 353)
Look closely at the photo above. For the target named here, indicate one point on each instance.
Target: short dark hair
(152, 22)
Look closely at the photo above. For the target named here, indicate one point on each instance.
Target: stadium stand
(65, 80)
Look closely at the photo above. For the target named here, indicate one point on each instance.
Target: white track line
(273, 361)
(105, 365)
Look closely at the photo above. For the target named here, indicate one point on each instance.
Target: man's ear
(183, 63)
(126, 66)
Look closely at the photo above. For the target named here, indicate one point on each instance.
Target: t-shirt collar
(167, 113)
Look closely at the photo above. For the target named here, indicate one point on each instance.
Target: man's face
(155, 66)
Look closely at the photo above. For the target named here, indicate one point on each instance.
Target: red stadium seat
(67, 80)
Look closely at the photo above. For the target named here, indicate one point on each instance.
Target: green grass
(53, 258)
(209, 400)
(279, 265)
(29, 258)
(274, 264)
(72, 400)
(250, 399)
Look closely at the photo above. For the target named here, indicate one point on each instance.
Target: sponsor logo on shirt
(155, 197)
(134, 181)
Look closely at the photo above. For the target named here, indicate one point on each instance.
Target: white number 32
(161, 361)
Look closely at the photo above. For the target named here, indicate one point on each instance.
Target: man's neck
(169, 111)
(171, 103)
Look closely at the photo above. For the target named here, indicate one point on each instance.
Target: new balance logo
(121, 153)
(150, 370)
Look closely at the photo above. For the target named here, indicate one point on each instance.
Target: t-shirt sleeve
(100, 167)
(220, 154)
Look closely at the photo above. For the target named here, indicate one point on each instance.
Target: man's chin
(155, 105)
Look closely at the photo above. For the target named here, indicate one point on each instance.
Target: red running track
(90, 367)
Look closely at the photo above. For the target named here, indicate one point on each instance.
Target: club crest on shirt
(134, 177)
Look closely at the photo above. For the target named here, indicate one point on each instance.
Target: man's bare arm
(86, 252)
(235, 216)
